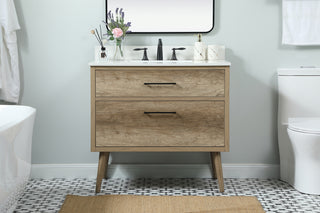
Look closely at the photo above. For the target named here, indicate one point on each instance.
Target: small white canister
(216, 52)
(199, 52)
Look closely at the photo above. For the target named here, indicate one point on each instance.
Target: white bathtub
(16, 127)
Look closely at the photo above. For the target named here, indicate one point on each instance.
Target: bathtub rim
(29, 113)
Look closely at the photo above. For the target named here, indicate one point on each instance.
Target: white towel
(9, 62)
(301, 22)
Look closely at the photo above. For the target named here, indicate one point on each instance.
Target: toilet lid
(307, 125)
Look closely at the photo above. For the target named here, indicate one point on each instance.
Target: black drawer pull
(161, 84)
(149, 113)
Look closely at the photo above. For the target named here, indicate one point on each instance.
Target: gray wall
(56, 46)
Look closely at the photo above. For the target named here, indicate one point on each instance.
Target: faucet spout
(160, 50)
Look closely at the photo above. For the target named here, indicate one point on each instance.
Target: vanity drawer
(170, 82)
(159, 123)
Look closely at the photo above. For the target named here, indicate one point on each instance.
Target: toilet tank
(299, 93)
(299, 96)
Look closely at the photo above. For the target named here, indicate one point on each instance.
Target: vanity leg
(214, 175)
(103, 163)
(218, 169)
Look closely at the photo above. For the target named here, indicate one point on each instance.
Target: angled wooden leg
(214, 175)
(218, 169)
(103, 163)
(107, 163)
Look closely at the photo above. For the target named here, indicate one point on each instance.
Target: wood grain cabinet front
(160, 123)
(160, 109)
(159, 82)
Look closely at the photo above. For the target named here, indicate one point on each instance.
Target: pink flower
(117, 32)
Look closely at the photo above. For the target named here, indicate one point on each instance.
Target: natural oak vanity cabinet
(160, 108)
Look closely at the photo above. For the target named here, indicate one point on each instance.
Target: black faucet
(145, 56)
(174, 56)
(159, 50)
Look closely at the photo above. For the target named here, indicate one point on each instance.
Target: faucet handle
(174, 57)
(145, 56)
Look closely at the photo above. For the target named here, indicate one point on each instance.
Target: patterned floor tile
(43, 195)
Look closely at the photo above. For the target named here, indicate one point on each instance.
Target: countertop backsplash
(129, 54)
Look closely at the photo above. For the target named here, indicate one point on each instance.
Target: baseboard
(262, 171)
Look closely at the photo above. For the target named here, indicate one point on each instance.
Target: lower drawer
(159, 123)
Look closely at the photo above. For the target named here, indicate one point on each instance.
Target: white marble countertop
(159, 63)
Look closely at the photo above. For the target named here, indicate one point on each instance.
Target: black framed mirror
(166, 16)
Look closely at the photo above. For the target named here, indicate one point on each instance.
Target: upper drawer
(160, 82)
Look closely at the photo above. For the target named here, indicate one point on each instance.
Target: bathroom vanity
(160, 107)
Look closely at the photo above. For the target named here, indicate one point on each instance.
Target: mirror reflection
(166, 16)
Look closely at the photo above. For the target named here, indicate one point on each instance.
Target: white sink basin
(164, 61)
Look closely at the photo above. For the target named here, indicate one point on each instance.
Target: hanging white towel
(301, 22)
(9, 61)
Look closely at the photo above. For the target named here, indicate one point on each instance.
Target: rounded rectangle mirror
(166, 16)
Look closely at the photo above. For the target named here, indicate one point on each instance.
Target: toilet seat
(305, 125)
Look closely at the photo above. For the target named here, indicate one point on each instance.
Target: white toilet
(299, 128)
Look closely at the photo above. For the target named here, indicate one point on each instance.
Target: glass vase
(119, 50)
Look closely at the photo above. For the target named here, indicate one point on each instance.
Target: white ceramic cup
(216, 52)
